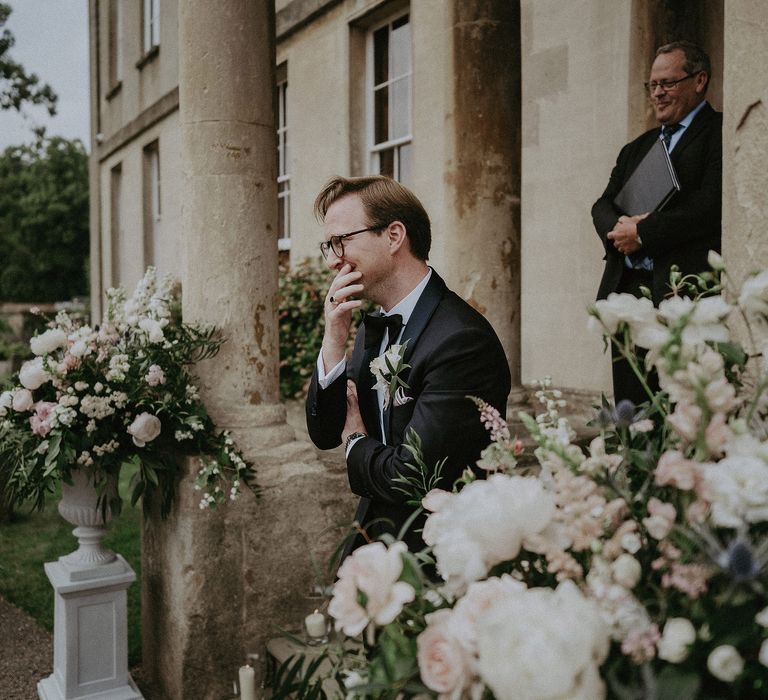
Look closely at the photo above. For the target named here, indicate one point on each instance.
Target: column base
(50, 689)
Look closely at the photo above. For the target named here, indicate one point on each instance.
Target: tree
(17, 87)
(44, 221)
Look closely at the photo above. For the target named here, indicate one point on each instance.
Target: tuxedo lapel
(425, 307)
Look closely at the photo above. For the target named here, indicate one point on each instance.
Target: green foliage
(9, 347)
(44, 220)
(301, 319)
(17, 87)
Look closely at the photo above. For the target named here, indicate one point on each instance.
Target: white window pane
(400, 49)
(401, 108)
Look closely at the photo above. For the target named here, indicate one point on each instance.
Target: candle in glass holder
(315, 625)
(247, 683)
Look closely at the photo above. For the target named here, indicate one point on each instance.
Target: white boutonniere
(386, 368)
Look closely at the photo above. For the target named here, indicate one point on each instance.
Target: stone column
(745, 138)
(485, 174)
(217, 585)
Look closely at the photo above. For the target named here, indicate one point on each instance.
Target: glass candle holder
(316, 628)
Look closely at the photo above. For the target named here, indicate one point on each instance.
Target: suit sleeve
(604, 212)
(326, 411)
(695, 217)
(468, 362)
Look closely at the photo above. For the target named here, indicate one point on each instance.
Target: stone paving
(27, 654)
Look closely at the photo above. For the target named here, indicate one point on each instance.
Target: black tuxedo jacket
(453, 352)
(689, 226)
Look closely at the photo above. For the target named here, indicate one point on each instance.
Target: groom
(377, 240)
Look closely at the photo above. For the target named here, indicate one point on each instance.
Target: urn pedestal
(90, 632)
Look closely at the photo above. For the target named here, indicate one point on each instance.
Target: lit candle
(247, 683)
(315, 624)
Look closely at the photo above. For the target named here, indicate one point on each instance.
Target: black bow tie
(376, 324)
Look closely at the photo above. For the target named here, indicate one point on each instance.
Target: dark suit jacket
(689, 226)
(453, 352)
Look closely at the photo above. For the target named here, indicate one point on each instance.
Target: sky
(52, 41)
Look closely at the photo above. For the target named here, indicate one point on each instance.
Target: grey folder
(651, 185)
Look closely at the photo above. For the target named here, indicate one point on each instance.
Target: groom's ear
(397, 236)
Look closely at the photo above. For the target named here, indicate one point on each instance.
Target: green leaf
(674, 683)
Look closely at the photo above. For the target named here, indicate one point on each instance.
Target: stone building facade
(214, 125)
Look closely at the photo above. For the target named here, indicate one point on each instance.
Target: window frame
(283, 170)
(375, 149)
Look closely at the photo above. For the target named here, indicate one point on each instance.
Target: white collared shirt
(405, 308)
(684, 124)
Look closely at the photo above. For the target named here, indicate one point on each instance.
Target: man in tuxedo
(377, 240)
(640, 250)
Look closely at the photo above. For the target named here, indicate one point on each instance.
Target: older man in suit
(377, 240)
(641, 250)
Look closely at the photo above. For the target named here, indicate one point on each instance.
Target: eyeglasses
(336, 243)
(666, 84)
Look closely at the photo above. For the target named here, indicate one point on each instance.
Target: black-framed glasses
(336, 243)
(666, 84)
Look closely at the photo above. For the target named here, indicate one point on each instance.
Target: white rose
(47, 342)
(32, 375)
(543, 643)
(725, 663)
(626, 571)
(372, 570)
(22, 400)
(153, 329)
(676, 639)
(144, 429)
(485, 524)
(738, 490)
(79, 348)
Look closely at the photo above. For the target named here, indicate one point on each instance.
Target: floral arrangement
(97, 398)
(634, 567)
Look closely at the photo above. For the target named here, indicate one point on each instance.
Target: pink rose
(41, 420)
(443, 664)
(22, 400)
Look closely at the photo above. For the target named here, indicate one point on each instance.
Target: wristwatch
(351, 437)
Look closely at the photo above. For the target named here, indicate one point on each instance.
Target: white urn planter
(90, 635)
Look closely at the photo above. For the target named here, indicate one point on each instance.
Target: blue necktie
(666, 133)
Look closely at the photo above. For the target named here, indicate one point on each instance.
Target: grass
(38, 537)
